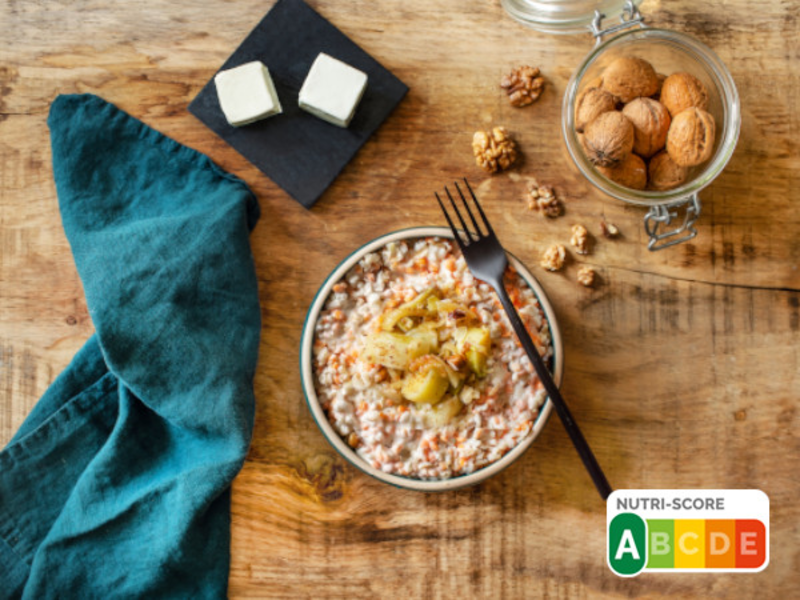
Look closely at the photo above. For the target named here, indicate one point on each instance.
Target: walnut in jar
(681, 91)
(523, 85)
(608, 140)
(629, 77)
(591, 104)
(690, 140)
(494, 150)
(664, 174)
(650, 125)
(631, 172)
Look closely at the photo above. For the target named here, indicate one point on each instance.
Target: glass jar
(668, 52)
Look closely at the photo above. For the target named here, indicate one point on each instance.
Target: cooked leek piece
(479, 338)
(427, 385)
(405, 324)
(417, 307)
(428, 336)
(477, 363)
(444, 412)
(394, 350)
(475, 343)
(456, 378)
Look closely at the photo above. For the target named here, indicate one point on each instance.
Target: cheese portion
(246, 93)
(332, 90)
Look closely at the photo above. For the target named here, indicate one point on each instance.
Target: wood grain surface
(683, 366)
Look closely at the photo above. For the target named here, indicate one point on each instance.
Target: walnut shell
(631, 173)
(596, 82)
(650, 125)
(629, 77)
(608, 139)
(664, 174)
(681, 91)
(690, 140)
(591, 104)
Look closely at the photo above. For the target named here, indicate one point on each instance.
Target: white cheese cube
(246, 93)
(332, 90)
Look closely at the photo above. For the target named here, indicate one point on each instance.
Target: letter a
(627, 546)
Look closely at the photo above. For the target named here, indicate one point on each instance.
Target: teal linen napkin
(117, 484)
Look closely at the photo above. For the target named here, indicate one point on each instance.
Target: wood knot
(740, 415)
(326, 475)
(71, 320)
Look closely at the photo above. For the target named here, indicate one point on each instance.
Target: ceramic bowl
(307, 375)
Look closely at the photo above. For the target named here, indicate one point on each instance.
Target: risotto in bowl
(411, 369)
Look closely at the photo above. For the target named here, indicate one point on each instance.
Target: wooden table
(682, 366)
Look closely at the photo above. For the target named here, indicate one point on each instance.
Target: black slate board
(298, 151)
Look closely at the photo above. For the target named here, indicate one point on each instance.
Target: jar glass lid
(562, 16)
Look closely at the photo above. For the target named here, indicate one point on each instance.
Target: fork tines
(471, 236)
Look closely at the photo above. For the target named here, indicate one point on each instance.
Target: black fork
(487, 261)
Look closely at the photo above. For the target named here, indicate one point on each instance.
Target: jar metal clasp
(630, 17)
(663, 214)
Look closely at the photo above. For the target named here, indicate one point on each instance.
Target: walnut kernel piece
(608, 140)
(690, 140)
(681, 91)
(580, 239)
(495, 150)
(554, 257)
(591, 104)
(544, 199)
(586, 276)
(629, 77)
(650, 125)
(523, 85)
(664, 174)
(631, 173)
(609, 230)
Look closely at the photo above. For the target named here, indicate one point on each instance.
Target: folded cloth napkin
(117, 484)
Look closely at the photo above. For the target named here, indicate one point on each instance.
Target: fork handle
(580, 443)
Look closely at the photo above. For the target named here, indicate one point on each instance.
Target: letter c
(682, 543)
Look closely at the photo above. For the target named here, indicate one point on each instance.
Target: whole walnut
(591, 104)
(631, 173)
(681, 91)
(608, 140)
(650, 125)
(690, 140)
(629, 77)
(664, 174)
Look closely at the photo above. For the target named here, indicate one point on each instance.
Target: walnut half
(544, 199)
(580, 239)
(494, 150)
(554, 257)
(586, 276)
(523, 85)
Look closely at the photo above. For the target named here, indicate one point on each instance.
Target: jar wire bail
(663, 214)
(630, 17)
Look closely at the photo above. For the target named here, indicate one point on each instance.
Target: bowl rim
(325, 426)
